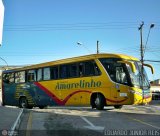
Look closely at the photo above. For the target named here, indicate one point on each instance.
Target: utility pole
(141, 45)
(97, 47)
(142, 56)
(142, 49)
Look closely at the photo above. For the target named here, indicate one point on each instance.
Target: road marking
(29, 124)
(16, 123)
(91, 125)
(145, 123)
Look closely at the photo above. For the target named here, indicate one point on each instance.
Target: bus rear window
(8, 78)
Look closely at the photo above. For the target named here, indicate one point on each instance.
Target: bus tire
(30, 107)
(92, 101)
(99, 102)
(23, 103)
(41, 107)
(117, 106)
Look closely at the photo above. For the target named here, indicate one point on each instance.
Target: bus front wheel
(99, 102)
(117, 106)
(23, 103)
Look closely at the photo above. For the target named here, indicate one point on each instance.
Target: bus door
(119, 90)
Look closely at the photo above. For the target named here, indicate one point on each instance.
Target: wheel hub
(97, 101)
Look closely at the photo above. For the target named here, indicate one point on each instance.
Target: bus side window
(31, 75)
(96, 69)
(90, 68)
(111, 71)
(54, 72)
(64, 71)
(39, 74)
(46, 74)
(73, 70)
(81, 69)
(20, 77)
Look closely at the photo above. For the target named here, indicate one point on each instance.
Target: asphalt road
(83, 121)
(8, 116)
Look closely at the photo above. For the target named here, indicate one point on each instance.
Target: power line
(153, 60)
(73, 26)
(71, 29)
(82, 23)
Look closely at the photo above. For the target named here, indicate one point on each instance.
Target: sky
(1, 20)
(46, 30)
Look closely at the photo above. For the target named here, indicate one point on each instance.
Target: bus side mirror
(148, 65)
(131, 64)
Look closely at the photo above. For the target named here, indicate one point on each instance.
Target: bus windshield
(139, 78)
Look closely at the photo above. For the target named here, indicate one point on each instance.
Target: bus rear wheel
(23, 103)
(99, 102)
(41, 107)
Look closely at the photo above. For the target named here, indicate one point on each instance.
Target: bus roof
(75, 59)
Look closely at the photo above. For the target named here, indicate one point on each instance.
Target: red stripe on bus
(70, 95)
(113, 101)
(57, 100)
(49, 93)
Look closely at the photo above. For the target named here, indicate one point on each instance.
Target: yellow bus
(98, 80)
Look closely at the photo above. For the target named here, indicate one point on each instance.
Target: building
(156, 82)
(155, 88)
